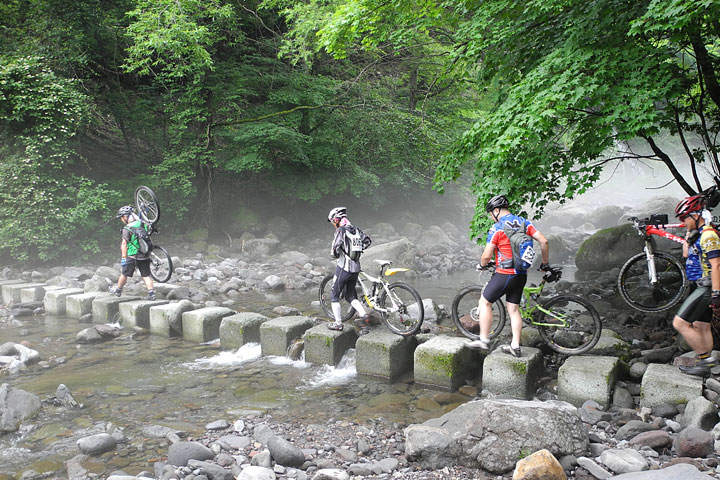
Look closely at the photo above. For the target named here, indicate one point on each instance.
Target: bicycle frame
(647, 230)
(528, 310)
(371, 296)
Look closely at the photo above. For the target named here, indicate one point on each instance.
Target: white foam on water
(247, 353)
(329, 375)
(301, 363)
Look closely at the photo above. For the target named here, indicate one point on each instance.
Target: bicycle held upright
(568, 324)
(400, 305)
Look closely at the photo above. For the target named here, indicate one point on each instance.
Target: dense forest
(230, 109)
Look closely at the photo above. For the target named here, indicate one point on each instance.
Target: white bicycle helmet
(127, 210)
(337, 212)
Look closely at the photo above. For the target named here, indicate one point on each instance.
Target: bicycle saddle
(382, 263)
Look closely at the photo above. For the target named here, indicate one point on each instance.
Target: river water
(137, 381)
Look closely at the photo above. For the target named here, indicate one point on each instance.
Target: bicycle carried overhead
(148, 208)
(568, 324)
(400, 305)
(652, 281)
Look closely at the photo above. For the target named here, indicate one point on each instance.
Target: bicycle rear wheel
(325, 294)
(402, 311)
(161, 267)
(147, 205)
(635, 287)
(581, 328)
(466, 315)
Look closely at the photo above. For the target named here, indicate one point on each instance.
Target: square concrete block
(445, 362)
(36, 294)
(78, 305)
(383, 354)
(588, 377)
(667, 384)
(203, 324)
(327, 347)
(166, 320)
(104, 309)
(277, 334)
(55, 300)
(137, 312)
(11, 291)
(241, 328)
(504, 374)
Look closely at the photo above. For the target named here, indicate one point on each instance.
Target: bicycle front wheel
(325, 294)
(402, 310)
(466, 313)
(640, 293)
(147, 205)
(571, 327)
(161, 267)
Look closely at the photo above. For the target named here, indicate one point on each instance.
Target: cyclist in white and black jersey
(347, 244)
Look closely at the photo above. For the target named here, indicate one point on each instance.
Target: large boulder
(484, 434)
(608, 248)
(401, 252)
(261, 247)
(15, 407)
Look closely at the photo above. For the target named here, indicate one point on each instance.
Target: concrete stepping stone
(504, 374)
(37, 294)
(203, 324)
(166, 320)
(277, 334)
(327, 347)
(446, 362)
(588, 377)
(78, 305)
(384, 354)
(105, 308)
(11, 291)
(664, 383)
(137, 312)
(55, 300)
(241, 328)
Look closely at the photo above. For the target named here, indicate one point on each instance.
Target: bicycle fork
(650, 256)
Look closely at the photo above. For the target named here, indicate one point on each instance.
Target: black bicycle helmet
(127, 210)
(498, 201)
(689, 205)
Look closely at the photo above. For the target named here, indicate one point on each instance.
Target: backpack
(521, 243)
(142, 236)
(358, 243)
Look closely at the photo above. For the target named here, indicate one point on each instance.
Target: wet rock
(275, 282)
(285, 311)
(694, 442)
(87, 318)
(541, 464)
(16, 406)
(182, 452)
(75, 469)
(88, 335)
(108, 332)
(97, 444)
(64, 398)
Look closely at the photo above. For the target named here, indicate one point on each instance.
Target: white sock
(337, 311)
(484, 339)
(358, 306)
(514, 344)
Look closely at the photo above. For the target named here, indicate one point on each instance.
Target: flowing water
(137, 381)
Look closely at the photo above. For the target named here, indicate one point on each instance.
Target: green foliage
(46, 202)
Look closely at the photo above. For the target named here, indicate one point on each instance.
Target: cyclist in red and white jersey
(507, 280)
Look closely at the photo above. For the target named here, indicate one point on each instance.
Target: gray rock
(16, 406)
(665, 410)
(262, 433)
(623, 461)
(157, 431)
(217, 425)
(75, 469)
(681, 471)
(235, 442)
(595, 470)
(285, 453)
(694, 442)
(108, 332)
(622, 398)
(359, 469)
(211, 470)
(182, 452)
(481, 433)
(637, 370)
(97, 444)
(88, 335)
(632, 428)
(256, 473)
(262, 459)
(64, 397)
(700, 413)
(331, 474)
(655, 439)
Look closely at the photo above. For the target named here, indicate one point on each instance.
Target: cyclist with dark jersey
(693, 319)
(347, 269)
(506, 280)
(131, 256)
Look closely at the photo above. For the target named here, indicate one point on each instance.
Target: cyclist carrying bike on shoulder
(693, 319)
(508, 279)
(348, 243)
(131, 256)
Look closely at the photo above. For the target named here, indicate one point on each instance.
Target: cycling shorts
(696, 307)
(344, 286)
(510, 285)
(143, 265)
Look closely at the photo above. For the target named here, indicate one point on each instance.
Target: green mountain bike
(568, 324)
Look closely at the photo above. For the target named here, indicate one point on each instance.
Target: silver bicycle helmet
(337, 212)
(498, 201)
(127, 210)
